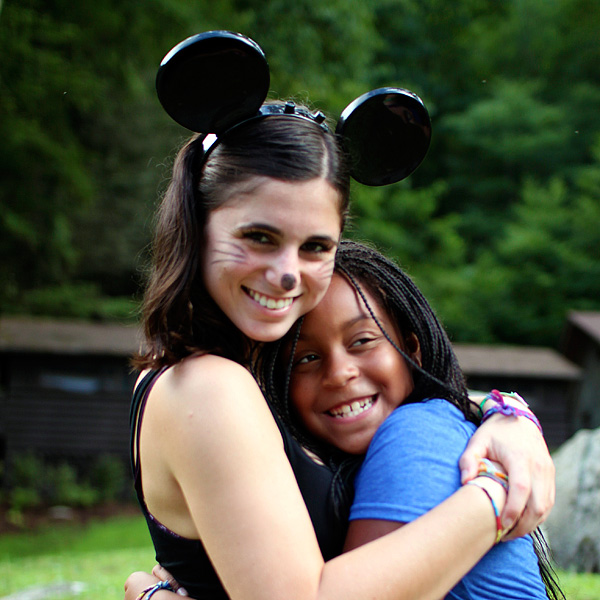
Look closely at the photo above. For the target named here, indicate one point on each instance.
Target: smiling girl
(374, 372)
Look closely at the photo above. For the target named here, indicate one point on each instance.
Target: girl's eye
(362, 341)
(307, 358)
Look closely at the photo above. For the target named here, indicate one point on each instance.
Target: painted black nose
(288, 282)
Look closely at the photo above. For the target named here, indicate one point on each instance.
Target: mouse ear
(213, 80)
(386, 133)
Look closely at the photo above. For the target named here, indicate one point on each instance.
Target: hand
(140, 580)
(518, 446)
(137, 582)
(161, 573)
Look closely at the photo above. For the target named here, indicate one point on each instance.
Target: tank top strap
(138, 404)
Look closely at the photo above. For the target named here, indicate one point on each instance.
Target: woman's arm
(363, 531)
(423, 560)
(225, 453)
(518, 445)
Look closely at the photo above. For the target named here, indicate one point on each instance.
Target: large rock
(573, 527)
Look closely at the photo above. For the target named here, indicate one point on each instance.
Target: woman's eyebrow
(264, 226)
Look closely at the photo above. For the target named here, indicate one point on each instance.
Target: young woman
(373, 369)
(245, 244)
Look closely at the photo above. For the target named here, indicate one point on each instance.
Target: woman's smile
(269, 302)
(270, 252)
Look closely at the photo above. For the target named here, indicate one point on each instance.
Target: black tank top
(186, 558)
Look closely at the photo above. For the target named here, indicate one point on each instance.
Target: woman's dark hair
(179, 316)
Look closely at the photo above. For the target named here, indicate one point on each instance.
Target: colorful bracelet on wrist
(149, 591)
(499, 529)
(506, 409)
(488, 469)
(516, 397)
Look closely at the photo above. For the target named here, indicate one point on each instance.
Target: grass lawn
(101, 554)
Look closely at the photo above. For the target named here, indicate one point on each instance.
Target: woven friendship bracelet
(488, 469)
(505, 409)
(497, 396)
(499, 529)
(516, 397)
(149, 591)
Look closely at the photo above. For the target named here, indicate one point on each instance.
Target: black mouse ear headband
(217, 80)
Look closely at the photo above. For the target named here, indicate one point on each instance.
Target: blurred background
(500, 226)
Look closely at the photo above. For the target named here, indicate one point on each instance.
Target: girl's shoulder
(430, 415)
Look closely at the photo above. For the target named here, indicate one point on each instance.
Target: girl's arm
(225, 453)
(518, 445)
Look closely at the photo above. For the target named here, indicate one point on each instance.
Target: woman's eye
(316, 247)
(257, 236)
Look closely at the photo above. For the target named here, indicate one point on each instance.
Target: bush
(68, 490)
(109, 477)
(34, 483)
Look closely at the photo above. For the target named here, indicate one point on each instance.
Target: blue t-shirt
(412, 466)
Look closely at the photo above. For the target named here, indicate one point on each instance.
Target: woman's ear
(413, 347)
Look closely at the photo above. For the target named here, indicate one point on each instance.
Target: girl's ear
(413, 347)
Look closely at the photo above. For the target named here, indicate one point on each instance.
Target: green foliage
(496, 225)
(35, 483)
(67, 490)
(78, 300)
(108, 476)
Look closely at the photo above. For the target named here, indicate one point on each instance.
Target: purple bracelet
(510, 411)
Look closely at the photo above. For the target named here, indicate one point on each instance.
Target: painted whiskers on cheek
(325, 269)
(229, 252)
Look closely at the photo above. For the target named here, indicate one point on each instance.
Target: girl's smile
(346, 376)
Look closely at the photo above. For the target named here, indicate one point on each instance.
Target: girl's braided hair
(439, 375)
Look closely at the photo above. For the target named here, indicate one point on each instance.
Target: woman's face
(268, 229)
(346, 377)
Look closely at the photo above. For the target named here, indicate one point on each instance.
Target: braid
(440, 373)
(438, 376)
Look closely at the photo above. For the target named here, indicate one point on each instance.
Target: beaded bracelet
(149, 591)
(489, 469)
(506, 409)
(499, 529)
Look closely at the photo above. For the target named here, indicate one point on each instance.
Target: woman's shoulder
(207, 397)
(206, 370)
(205, 381)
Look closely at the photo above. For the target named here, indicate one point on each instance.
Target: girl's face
(346, 377)
(267, 229)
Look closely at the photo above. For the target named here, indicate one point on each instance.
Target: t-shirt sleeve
(412, 462)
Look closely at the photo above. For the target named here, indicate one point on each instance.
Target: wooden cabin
(65, 387)
(547, 381)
